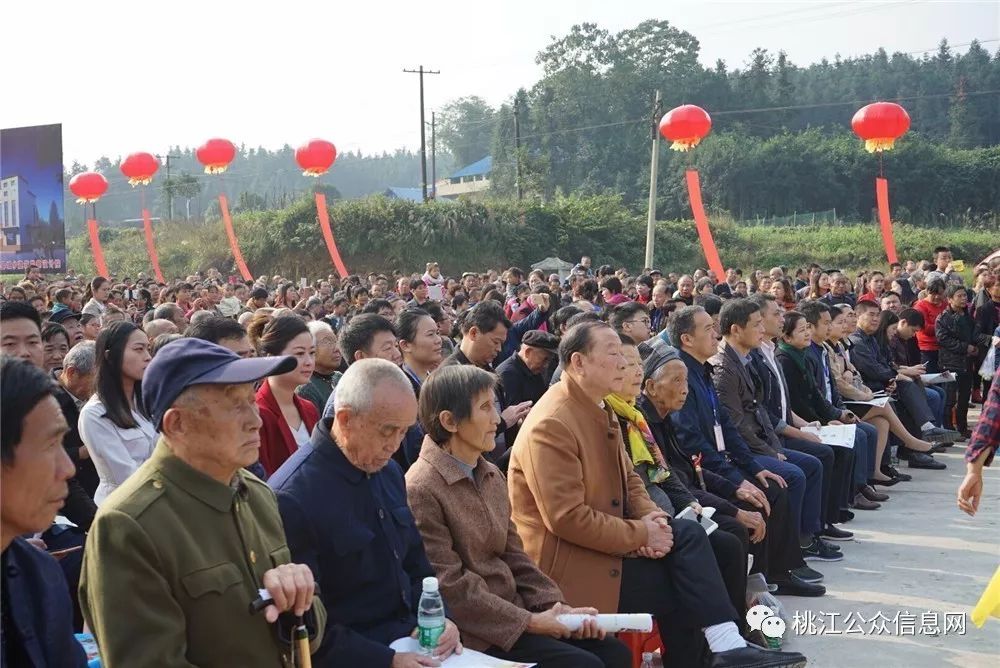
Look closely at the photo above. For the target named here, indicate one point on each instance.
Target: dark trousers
(956, 402)
(929, 358)
(684, 592)
(555, 653)
(79, 507)
(730, 545)
(914, 400)
(804, 476)
(779, 552)
(838, 465)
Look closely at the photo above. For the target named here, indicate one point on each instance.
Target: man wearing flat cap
(524, 375)
(179, 554)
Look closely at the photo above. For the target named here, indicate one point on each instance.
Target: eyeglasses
(644, 321)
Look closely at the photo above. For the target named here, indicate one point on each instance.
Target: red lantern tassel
(701, 222)
(147, 226)
(882, 198)
(324, 224)
(95, 247)
(231, 233)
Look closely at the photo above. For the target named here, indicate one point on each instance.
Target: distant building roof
(478, 168)
(409, 194)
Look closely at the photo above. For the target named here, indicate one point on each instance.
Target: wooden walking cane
(301, 641)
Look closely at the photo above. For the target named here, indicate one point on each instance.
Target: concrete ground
(917, 555)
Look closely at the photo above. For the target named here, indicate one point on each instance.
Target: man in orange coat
(586, 520)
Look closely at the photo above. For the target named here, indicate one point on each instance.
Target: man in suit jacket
(579, 507)
(806, 464)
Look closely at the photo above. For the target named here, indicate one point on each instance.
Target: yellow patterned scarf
(641, 443)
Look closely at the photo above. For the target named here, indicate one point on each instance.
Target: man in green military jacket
(180, 552)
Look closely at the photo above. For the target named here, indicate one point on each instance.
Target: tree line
(781, 140)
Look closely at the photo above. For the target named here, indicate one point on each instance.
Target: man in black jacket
(484, 333)
(878, 373)
(959, 345)
(75, 386)
(37, 612)
(773, 536)
(523, 375)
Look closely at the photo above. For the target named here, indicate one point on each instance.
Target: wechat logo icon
(762, 618)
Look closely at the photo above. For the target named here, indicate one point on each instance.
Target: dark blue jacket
(819, 364)
(695, 426)
(38, 614)
(357, 534)
(517, 331)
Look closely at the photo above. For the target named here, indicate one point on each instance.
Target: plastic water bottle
(430, 617)
(894, 455)
(647, 660)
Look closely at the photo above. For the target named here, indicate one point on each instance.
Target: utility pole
(654, 163)
(423, 137)
(517, 152)
(433, 155)
(170, 194)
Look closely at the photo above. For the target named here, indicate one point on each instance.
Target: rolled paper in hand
(635, 622)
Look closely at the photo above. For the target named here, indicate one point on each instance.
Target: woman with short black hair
(113, 424)
(504, 604)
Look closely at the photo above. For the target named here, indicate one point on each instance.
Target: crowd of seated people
(315, 450)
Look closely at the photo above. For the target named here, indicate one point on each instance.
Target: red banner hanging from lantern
(139, 168)
(880, 125)
(685, 127)
(215, 155)
(147, 228)
(885, 223)
(88, 188)
(315, 158)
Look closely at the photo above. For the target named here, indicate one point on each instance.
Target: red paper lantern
(685, 126)
(139, 168)
(316, 157)
(216, 154)
(880, 125)
(88, 187)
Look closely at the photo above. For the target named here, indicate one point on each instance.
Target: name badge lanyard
(720, 442)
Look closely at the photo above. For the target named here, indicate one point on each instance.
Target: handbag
(988, 368)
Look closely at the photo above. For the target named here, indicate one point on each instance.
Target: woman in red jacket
(931, 306)
(288, 419)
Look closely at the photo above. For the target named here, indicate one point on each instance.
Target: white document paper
(937, 378)
(705, 521)
(874, 401)
(467, 659)
(612, 623)
(840, 435)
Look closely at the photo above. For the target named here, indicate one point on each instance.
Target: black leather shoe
(869, 493)
(752, 656)
(846, 516)
(884, 483)
(893, 472)
(919, 460)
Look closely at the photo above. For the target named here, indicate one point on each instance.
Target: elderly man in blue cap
(183, 553)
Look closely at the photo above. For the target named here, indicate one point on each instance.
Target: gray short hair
(82, 357)
(356, 389)
(198, 316)
(317, 326)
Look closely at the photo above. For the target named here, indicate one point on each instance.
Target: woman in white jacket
(113, 425)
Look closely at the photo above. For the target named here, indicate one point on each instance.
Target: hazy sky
(127, 76)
